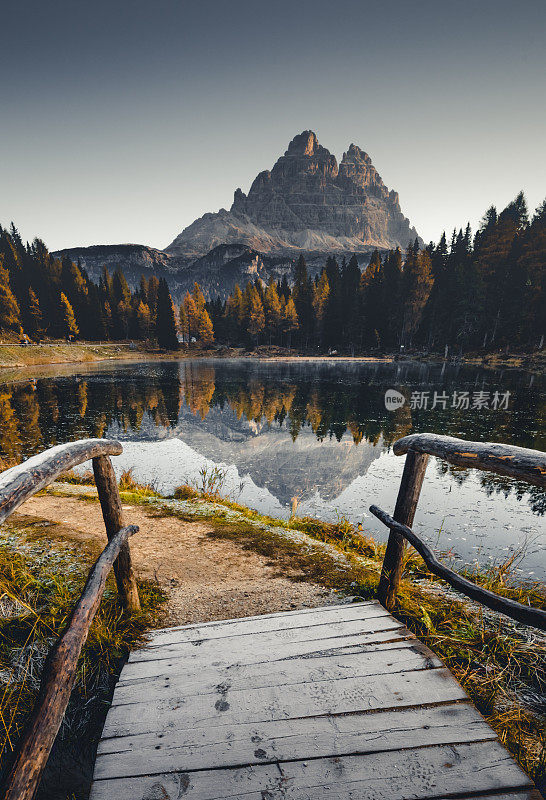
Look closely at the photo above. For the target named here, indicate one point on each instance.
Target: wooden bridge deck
(334, 703)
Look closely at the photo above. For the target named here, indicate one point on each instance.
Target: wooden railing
(59, 673)
(517, 462)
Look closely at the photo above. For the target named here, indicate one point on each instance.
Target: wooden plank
(327, 616)
(408, 656)
(269, 742)
(271, 639)
(238, 620)
(420, 774)
(228, 707)
(259, 652)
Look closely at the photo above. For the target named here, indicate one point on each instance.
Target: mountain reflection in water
(312, 430)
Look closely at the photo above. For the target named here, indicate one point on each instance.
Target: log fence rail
(17, 485)
(516, 462)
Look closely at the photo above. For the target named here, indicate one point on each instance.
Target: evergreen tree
(273, 311)
(165, 326)
(34, 316)
(206, 330)
(256, 316)
(68, 323)
(289, 320)
(9, 308)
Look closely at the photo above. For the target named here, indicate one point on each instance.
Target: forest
(481, 292)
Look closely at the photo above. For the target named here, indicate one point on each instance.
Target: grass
(41, 576)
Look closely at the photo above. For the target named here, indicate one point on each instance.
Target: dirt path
(205, 578)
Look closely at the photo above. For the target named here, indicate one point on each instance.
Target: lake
(316, 431)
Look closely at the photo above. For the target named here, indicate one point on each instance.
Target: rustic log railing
(516, 462)
(518, 611)
(59, 673)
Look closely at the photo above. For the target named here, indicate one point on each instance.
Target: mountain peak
(306, 203)
(304, 144)
(354, 153)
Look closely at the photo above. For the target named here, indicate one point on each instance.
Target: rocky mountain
(306, 204)
(134, 259)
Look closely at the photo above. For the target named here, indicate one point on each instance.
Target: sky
(123, 121)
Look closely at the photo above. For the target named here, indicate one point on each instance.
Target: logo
(393, 400)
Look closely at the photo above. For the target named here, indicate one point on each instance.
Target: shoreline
(17, 357)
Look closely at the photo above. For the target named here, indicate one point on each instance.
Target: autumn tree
(289, 319)
(68, 325)
(9, 308)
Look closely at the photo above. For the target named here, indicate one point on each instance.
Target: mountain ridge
(306, 204)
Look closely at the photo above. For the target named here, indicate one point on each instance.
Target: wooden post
(58, 676)
(404, 512)
(107, 488)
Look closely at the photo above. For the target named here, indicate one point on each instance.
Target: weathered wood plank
(420, 774)
(229, 707)
(409, 656)
(197, 659)
(215, 623)
(504, 459)
(21, 482)
(238, 643)
(58, 677)
(280, 622)
(269, 742)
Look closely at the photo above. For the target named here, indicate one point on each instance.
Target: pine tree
(289, 319)
(189, 316)
(165, 326)
(350, 302)
(9, 308)
(144, 320)
(34, 315)
(372, 294)
(321, 293)
(205, 329)
(69, 327)
(256, 316)
(273, 311)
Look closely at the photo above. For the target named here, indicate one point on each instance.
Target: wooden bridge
(339, 702)
(334, 703)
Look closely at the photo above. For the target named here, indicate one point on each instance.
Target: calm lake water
(316, 431)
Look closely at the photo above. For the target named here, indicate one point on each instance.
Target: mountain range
(306, 204)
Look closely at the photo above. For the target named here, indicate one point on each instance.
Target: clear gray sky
(123, 121)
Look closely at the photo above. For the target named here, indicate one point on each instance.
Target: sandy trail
(205, 578)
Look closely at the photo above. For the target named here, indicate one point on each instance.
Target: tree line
(41, 295)
(486, 291)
